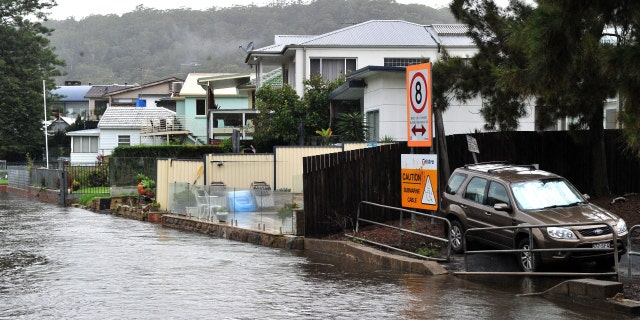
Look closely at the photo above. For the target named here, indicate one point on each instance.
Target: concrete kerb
(364, 254)
(601, 294)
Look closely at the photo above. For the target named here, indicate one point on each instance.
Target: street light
(46, 134)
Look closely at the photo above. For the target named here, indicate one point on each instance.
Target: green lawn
(4, 182)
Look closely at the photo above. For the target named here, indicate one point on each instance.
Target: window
(403, 62)
(124, 141)
(85, 144)
(331, 68)
(201, 109)
(497, 194)
(475, 190)
(455, 182)
(373, 125)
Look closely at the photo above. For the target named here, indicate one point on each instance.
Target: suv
(486, 195)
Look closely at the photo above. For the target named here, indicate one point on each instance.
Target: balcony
(164, 126)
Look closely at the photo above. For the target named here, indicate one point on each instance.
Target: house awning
(350, 90)
(353, 89)
(224, 81)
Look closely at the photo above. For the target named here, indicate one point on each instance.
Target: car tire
(528, 261)
(456, 236)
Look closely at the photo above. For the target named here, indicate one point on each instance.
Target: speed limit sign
(419, 125)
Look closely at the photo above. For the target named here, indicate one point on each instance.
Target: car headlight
(561, 233)
(621, 226)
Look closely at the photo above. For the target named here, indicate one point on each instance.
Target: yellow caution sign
(420, 181)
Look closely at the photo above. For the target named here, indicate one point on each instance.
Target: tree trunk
(443, 155)
(598, 155)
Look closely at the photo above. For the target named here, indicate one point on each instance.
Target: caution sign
(420, 181)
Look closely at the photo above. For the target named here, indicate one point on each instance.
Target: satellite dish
(248, 48)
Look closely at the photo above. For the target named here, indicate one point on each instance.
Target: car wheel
(528, 261)
(456, 236)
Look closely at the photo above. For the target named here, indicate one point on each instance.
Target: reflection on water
(67, 263)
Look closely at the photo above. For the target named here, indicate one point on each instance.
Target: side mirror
(586, 197)
(502, 207)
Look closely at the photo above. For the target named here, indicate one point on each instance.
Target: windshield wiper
(564, 205)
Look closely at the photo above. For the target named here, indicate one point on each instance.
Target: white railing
(163, 125)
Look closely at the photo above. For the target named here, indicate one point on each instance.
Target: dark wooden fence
(335, 183)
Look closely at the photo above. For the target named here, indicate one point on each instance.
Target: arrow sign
(422, 130)
(419, 105)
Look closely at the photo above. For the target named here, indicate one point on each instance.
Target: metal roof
(191, 87)
(376, 33)
(146, 85)
(353, 88)
(451, 35)
(224, 81)
(98, 91)
(131, 117)
(82, 133)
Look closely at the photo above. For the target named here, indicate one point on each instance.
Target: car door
(497, 193)
(473, 205)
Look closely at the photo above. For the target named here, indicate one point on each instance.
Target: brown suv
(487, 195)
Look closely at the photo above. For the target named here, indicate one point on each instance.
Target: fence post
(62, 197)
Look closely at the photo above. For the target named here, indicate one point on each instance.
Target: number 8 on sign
(418, 92)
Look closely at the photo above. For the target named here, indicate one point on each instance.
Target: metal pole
(46, 134)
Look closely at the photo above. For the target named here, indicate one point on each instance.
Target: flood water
(68, 263)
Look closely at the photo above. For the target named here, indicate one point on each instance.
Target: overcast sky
(82, 8)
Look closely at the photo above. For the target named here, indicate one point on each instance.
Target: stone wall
(232, 233)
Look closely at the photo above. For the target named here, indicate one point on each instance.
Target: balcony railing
(173, 124)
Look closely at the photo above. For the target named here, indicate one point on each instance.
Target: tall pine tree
(25, 61)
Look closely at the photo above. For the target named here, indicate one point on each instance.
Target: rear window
(455, 182)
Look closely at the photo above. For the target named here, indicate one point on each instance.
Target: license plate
(601, 245)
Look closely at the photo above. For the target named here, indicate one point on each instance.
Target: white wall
(109, 139)
(387, 94)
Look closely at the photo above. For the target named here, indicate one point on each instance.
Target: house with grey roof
(124, 126)
(154, 93)
(372, 56)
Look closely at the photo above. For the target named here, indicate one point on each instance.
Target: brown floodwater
(69, 263)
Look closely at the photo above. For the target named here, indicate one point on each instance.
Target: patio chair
(261, 192)
(217, 194)
(202, 201)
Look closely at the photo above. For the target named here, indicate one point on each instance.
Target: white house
(119, 126)
(373, 56)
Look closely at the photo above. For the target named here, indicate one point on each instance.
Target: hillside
(147, 44)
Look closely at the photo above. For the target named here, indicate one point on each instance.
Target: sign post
(472, 144)
(419, 129)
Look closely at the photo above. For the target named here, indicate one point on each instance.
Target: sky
(79, 9)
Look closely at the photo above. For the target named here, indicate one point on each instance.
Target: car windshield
(550, 193)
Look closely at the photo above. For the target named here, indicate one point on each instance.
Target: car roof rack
(469, 166)
(496, 166)
(528, 167)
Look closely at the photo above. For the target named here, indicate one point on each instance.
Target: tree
(25, 61)
(351, 127)
(285, 119)
(316, 99)
(552, 52)
(281, 112)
